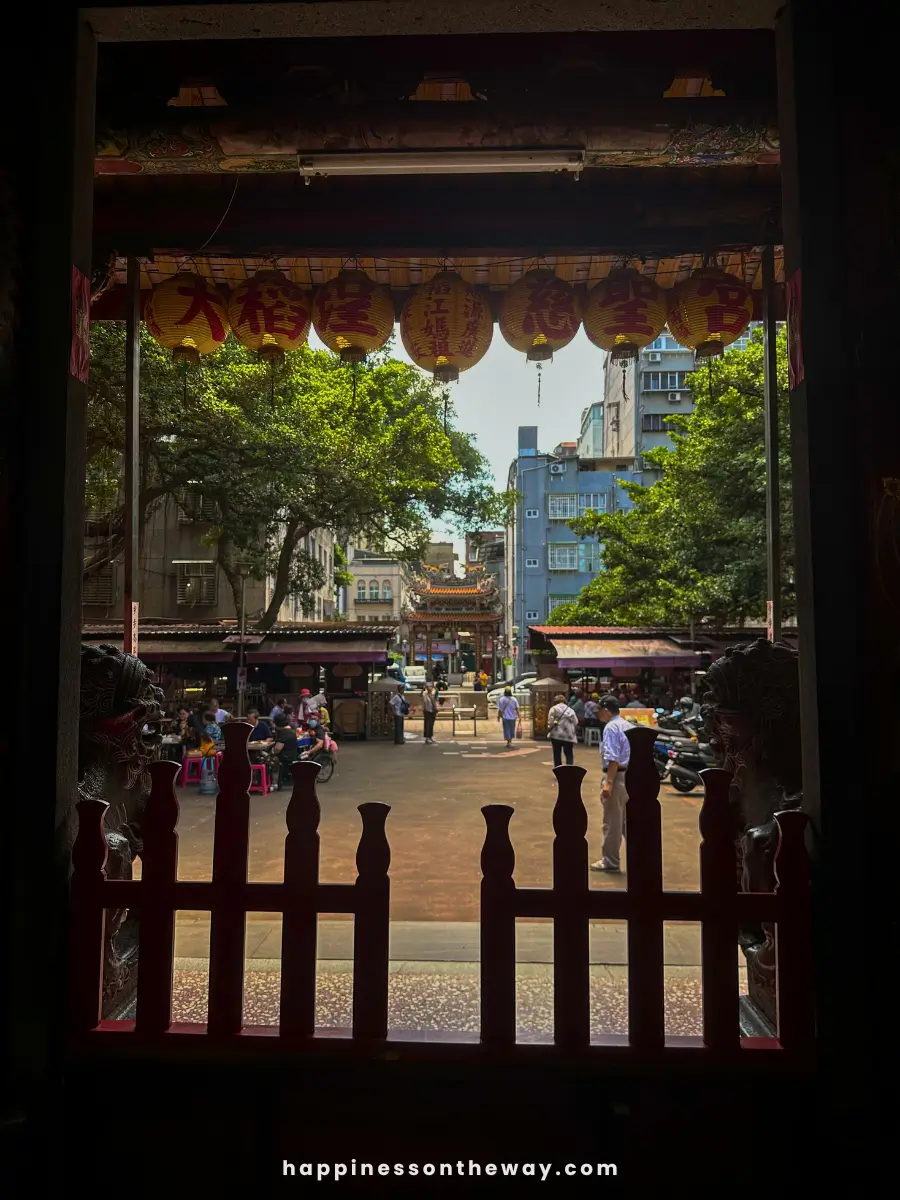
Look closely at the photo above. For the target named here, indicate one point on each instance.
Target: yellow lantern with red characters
(353, 315)
(709, 311)
(186, 314)
(269, 314)
(539, 314)
(446, 326)
(624, 313)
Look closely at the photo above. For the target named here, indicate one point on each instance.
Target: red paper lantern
(186, 314)
(709, 311)
(269, 314)
(624, 313)
(539, 314)
(446, 326)
(353, 315)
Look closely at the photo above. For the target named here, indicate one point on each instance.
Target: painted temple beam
(709, 132)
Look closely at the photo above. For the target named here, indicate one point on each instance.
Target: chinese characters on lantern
(201, 305)
(629, 301)
(268, 309)
(345, 308)
(550, 313)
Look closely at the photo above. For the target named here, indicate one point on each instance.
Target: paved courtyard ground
(436, 831)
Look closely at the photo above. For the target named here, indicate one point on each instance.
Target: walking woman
(508, 713)
(429, 712)
(562, 725)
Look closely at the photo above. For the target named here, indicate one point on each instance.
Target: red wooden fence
(570, 902)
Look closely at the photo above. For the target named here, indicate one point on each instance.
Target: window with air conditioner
(563, 556)
(198, 583)
(563, 506)
(99, 587)
(531, 562)
(532, 615)
(557, 468)
(532, 512)
(654, 356)
(193, 506)
(674, 397)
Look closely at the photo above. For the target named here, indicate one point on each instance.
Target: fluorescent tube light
(441, 162)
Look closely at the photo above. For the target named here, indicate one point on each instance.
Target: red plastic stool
(259, 778)
(191, 770)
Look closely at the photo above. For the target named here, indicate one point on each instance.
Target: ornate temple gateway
(462, 611)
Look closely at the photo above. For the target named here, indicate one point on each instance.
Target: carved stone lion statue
(119, 728)
(752, 711)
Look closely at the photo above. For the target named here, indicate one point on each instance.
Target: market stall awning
(622, 652)
(174, 650)
(320, 650)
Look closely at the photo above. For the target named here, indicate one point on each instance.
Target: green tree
(282, 454)
(694, 544)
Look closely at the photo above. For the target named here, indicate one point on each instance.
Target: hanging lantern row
(446, 325)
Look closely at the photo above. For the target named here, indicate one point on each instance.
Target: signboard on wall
(242, 679)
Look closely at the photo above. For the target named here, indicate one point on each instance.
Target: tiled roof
(95, 629)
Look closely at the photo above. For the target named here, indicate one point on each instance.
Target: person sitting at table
(260, 731)
(285, 748)
(290, 716)
(278, 709)
(184, 727)
(212, 735)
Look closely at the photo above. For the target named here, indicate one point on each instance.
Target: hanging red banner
(794, 290)
(80, 354)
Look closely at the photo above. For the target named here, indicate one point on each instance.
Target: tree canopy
(694, 544)
(282, 454)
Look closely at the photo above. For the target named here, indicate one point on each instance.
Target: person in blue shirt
(211, 728)
(260, 731)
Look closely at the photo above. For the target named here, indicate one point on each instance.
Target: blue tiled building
(547, 564)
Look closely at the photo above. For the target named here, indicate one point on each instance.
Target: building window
(532, 615)
(563, 506)
(555, 601)
(563, 556)
(99, 587)
(373, 590)
(663, 381)
(198, 583)
(665, 342)
(591, 502)
(654, 423)
(532, 512)
(588, 556)
(361, 590)
(192, 506)
(531, 562)
(386, 591)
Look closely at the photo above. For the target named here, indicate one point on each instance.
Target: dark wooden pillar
(841, 182)
(46, 232)
(132, 456)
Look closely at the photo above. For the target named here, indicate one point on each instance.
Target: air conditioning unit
(557, 468)
(654, 356)
(674, 397)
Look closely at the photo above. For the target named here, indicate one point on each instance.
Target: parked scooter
(686, 765)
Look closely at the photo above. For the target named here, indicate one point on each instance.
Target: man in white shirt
(615, 752)
(222, 715)
(400, 707)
